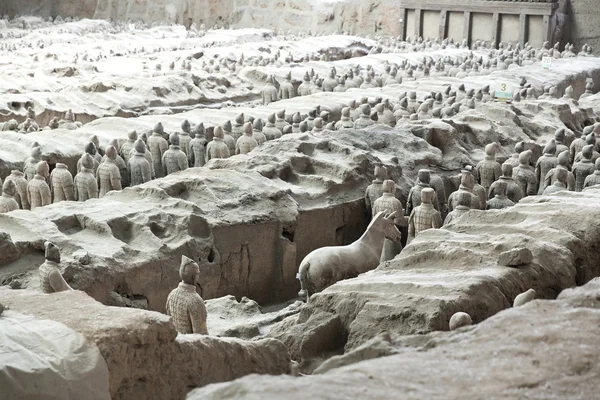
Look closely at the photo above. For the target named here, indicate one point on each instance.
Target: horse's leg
(302, 275)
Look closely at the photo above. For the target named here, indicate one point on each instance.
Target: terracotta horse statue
(325, 266)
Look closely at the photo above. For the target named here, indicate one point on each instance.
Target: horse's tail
(302, 275)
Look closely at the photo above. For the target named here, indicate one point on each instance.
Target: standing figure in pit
(31, 163)
(513, 190)
(197, 150)
(7, 200)
(108, 175)
(559, 182)
(174, 159)
(545, 163)
(583, 168)
(185, 136)
(489, 170)
(140, 169)
(217, 147)
(90, 149)
(157, 145)
(500, 200)
(21, 188)
(524, 176)
(414, 196)
(37, 188)
(269, 92)
(286, 88)
(61, 183)
(184, 304)
(463, 205)
(424, 216)
(85, 186)
(364, 120)
(593, 179)
(51, 280)
(127, 147)
(389, 204)
(563, 163)
(375, 189)
(246, 143)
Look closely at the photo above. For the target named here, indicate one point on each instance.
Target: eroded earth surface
(250, 219)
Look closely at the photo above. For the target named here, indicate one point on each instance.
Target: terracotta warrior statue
(140, 169)
(257, 131)
(90, 149)
(126, 148)
(466, 185)
(158, 145)
(61, 183)
(514, 159)
(388, 203)
(184, 304)
(31, 163)
(228, 138)
(524, 175)
(414, 196)
(174, 159)
(424, 216)
(365, 117)
(270, 130)
(37, 188)
(583, 168)
(513, 191)
(563, 163)
(345, 122)
(375, 189)
(237, 130)
(489, 170)
(108, 175)
(51, 280)
(85, 185)
(593, 179)
(500, 200)
(197, 150)
(545, 163)
(7, 200)
(217, 147)
(559, 183)
(119, 161)
(246, 142)
(286, 88)
(463, 205)
(269, 92)
(21, 188)
(185, 136)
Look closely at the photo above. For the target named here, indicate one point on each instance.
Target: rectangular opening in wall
(482, 27)
(431, 24)
(535, 35)
(410, 23)
(510, 25)
(456, 21)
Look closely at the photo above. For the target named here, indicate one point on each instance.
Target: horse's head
(387, 225)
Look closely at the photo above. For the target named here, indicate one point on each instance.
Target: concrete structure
(492, 21)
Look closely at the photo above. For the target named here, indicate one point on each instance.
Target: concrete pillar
(523, 29)
(496, 27)
(547, 30)
(402, 23)
(418, 21)
(443, 23)
(467, 27)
